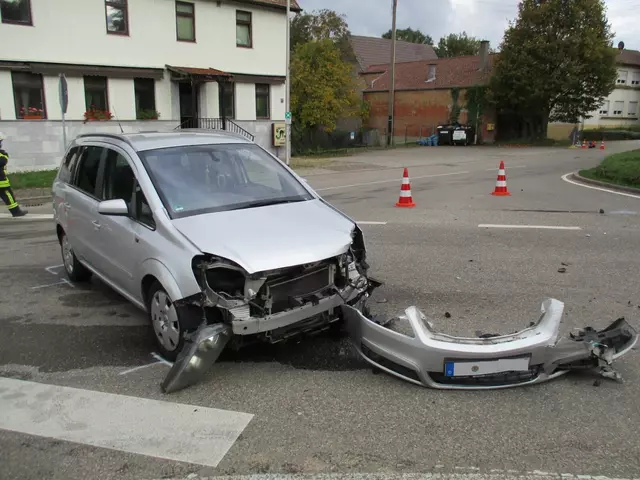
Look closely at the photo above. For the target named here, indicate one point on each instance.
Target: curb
(620, 188)
(34, 201)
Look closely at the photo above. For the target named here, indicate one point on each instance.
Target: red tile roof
(376, 50)
(450, 72)
(629, 57)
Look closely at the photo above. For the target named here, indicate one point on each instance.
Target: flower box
(32, 117)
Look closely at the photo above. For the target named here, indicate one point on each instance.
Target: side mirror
(117, 207)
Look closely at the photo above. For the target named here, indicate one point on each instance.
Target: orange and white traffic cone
(602, 145)
(501, 183)
(405, 199)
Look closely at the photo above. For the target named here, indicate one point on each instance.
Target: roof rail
(208, 131)
(115, 136)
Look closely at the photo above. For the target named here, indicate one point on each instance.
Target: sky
(485, 19)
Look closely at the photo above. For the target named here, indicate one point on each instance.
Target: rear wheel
(75, 270)
(167, 328)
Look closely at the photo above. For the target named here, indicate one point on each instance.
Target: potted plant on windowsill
(31, 113)
(95, 115)
(148, 114)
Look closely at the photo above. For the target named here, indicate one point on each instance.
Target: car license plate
(486, 367)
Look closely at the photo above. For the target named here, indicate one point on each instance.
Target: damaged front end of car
(419, 354)
(236, 308)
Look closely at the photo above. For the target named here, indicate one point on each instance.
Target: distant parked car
(197, 227)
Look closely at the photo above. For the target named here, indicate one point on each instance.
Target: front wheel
(167, 329)
(75, 270)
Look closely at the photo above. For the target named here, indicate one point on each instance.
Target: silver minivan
(206, 227)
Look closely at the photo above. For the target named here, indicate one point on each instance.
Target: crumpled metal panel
(533, 355)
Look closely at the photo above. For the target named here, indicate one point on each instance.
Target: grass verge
(39, 179)
(618, 169)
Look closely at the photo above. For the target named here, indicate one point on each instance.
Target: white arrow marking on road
(172, 431)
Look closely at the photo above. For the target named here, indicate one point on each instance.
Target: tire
(165, 323)
(75, 270)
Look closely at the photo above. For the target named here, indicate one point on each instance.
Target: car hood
(267, 238)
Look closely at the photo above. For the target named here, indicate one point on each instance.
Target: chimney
(431, 76)
(484, 55)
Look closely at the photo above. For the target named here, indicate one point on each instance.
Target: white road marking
(398, 180)
(566, 178)
(53, 267)
(474, 475)
(29, 216)
(167, 430)
(61, 282)
(135, 369)
(371, 223)
(547, 227)
(162, 360)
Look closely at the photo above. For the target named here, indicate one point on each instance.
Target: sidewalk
(41, 212)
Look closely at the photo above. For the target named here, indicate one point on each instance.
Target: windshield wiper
(267, 202)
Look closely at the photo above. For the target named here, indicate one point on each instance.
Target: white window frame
(634, 112)
(622, 77)
(635, 79)
(604, 108)
(617, 112)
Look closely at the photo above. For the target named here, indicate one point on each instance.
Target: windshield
(213, 178)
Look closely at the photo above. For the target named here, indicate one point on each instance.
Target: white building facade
(138, 65)
(622, 107)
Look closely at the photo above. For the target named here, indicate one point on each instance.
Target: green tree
(556, 63)
(410, 35)
(320, 25)
(455, 45)
(323, 88)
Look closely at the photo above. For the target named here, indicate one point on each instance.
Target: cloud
(486, 19)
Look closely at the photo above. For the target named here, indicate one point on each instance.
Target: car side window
(88, 168)
(118, 178)
(68, 167)
(142, 212)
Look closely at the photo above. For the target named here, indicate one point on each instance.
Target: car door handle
(96, 224)
(66, 205)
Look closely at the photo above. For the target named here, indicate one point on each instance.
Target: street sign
(63, 93)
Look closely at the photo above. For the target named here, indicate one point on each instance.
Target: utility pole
(392, 79)
(287, 88)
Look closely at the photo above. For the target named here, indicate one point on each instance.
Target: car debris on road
(492, 361)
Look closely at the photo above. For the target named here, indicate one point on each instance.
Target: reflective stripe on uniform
(12, 201)
(4, 184)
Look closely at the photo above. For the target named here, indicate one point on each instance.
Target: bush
(611, 134)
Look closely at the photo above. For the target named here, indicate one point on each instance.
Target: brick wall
(418, 112)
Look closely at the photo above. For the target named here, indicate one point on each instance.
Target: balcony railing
(215, 124)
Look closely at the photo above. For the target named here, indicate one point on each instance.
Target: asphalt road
(315, 406)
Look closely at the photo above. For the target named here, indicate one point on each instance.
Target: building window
(16, 11)
(262, 101)
(618, 107)
(117, 17)
(633, 109)
(622, 77)
(635, 80)
(145, 92)
(243, 29)
(28, 93)
(186, 21)
(227, 100)
(604, 109)
(95, 93)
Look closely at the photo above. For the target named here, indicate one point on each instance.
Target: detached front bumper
(533, 355)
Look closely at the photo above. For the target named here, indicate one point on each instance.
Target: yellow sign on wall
(490, 127)
(279, 134)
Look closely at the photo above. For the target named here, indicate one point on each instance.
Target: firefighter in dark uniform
(5, 187)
